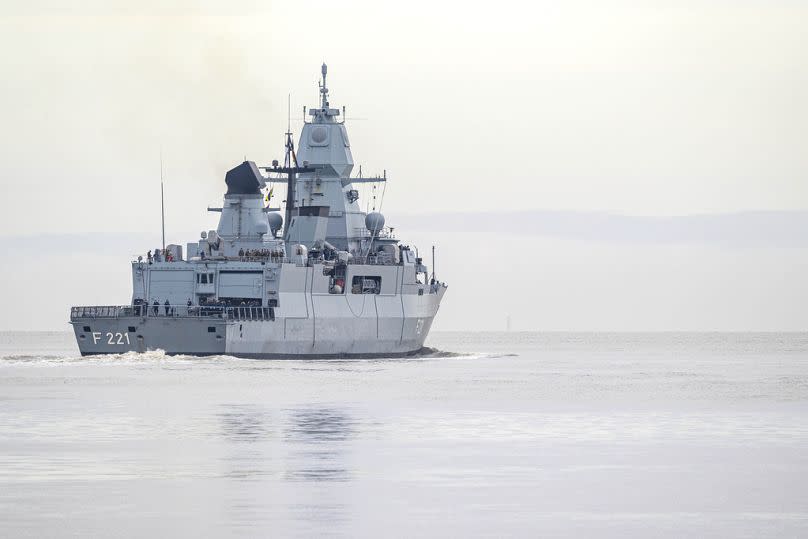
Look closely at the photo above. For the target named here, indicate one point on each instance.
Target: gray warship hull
(315, 324)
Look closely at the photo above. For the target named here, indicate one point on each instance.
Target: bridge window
(211, 329)
(87, 329)
(366, 284)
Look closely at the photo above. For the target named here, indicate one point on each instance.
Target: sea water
(492, 434)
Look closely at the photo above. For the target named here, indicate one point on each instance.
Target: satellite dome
(275, 222)
(374, 222)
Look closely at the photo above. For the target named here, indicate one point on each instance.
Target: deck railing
(241, 312)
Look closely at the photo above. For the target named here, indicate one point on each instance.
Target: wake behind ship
(323, 280)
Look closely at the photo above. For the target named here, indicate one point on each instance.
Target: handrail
(384, 233)
(357, 260)
(144, 311)
(241, 312)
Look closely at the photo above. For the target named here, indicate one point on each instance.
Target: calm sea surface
(500, 434)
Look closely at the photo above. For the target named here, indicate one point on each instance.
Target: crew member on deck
(167, 306)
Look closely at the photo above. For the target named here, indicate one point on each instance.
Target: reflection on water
(318, 437)
(244, 423)
(316, 425)
(247, 428)
(314, 442)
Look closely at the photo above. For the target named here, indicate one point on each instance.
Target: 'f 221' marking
(111, 338)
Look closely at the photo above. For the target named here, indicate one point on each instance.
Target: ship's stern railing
(143, 311)
(100, 311)
(245, 313)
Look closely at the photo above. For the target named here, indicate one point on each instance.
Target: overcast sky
(609, 116)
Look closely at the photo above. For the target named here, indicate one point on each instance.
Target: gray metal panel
(240, 284)
(175, 285)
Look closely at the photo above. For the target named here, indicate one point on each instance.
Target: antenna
(433, 263)
(162, 200)
(323, 87)
(289, 112)
(289, 160)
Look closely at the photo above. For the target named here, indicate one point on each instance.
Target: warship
(324, 279)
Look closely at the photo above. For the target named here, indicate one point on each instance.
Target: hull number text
(111, 338)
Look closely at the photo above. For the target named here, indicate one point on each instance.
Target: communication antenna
(162, 200)
(290, 161)
(433, 263)
(323, 87)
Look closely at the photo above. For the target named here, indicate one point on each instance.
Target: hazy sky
(654, 109)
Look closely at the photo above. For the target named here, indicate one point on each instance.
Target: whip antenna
(162, 200)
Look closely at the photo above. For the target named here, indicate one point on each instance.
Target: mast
(291, 168)
(433, 263)
(162, 201)
(323, 88)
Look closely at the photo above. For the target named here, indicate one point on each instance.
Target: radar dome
(374, 222)
(275, 222)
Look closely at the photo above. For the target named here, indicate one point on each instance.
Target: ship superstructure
(323, 279)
